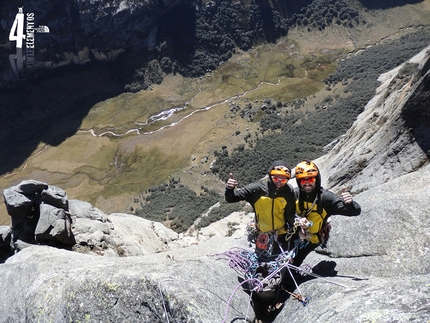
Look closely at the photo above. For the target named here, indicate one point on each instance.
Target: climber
(273, 202)
(314, 206)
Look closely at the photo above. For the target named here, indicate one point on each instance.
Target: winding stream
(166, 114)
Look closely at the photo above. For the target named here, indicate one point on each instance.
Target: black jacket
(274, 208)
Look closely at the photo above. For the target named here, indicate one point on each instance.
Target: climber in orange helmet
(314, 206)
(273, 201)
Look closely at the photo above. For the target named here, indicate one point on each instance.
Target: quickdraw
(296, 296)
(299, 223)
(299, 297)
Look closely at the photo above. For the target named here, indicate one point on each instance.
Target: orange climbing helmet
(306, 169)
(281, 171)
(280, 168)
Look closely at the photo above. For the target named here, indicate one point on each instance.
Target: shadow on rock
(50, 110)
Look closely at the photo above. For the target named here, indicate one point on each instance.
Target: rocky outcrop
(39, 214)
(42, 214)
(165, 287)
(391, 137)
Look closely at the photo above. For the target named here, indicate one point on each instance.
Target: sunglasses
(281, 180)
(310, 180)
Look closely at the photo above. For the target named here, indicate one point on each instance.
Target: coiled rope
(246, 262)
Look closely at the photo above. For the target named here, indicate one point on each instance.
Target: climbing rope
(227, 302)
(246, 263)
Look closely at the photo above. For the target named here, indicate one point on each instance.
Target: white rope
(228, 302)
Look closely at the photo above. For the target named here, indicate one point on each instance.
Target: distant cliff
(392, 135)
(185, 36)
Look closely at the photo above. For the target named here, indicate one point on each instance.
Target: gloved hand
(231, 183)
(303, 223)
(346, 196)
(304, 235)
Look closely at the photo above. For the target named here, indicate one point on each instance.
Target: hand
(304, 235)
(346, 196)
(304, 223)
(231, 183)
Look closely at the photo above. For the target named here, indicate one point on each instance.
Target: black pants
(281, 243)
(303, 252)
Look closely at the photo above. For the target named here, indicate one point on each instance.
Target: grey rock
(6, 249)
(90, 226)
(390, 138)
(84, 288)
(81, 209)
(31, 187)
(20, 245)
(17, 204)
(136, 236)
(54, 226)
(5, 233)
(25, 203)
(22, 203)
(364, 299)
(55, 196)
(93, 234)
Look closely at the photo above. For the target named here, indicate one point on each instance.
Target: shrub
(176, 205)
(220, 212)
(306, 139)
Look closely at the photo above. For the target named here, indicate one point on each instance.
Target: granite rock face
(380, 259)
(390, 137)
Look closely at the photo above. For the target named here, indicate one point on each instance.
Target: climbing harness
(309, 210)
(324, 233)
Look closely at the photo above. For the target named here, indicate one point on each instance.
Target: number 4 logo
(17, 31)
